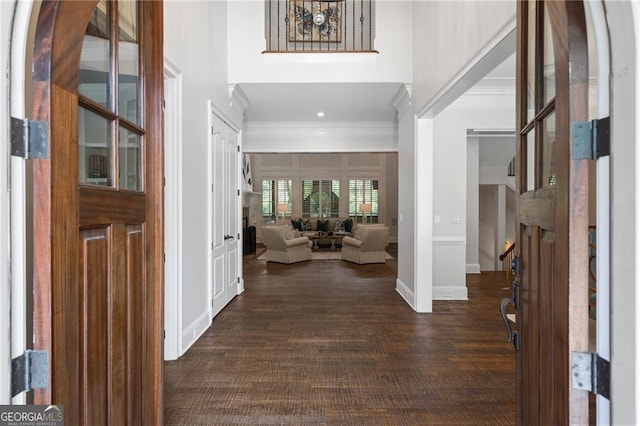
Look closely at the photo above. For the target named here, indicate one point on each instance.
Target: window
(363, 191)
(274, 192)
(320, 198)
(111, 133)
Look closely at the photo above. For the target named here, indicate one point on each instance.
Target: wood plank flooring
(329, 342)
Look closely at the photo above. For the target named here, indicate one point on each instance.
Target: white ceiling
(359, 102)
(300, 102)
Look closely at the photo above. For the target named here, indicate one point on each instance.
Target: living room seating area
(362, 244)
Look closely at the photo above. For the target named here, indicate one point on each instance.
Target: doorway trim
(173, 211)
(20, 56)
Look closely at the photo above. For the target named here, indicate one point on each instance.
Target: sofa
(366, 245)
(329, 224)
(309, 226)
(283, 246)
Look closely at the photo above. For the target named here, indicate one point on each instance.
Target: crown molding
(402, 99)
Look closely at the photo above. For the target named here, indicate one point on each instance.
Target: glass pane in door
(548, 150)
(549, 66)
(128, 62)
(95, 65)
(531, 61)
(530, 153)
(95, 155)
(129, 161)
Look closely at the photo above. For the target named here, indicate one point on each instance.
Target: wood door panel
(103, 206)
(547, 306)
(94, 325)
(528, 324)
(135, 325)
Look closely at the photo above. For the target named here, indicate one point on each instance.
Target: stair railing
(507, 257)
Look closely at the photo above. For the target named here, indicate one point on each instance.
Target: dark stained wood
(94, 325)
(153, 67)
(97, 253)
(101, 206)
(553, 228)
(330, 342)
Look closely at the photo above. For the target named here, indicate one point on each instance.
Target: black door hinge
(591, 372)
(29, 139)
(590, 140)
(29, 371)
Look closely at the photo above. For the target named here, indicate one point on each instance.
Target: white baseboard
(193, 332)
(406, 293)
(473, 268)
(450, 293)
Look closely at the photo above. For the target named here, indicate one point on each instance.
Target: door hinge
(238, 280)
(29, 138)
(590, 140)
(238, 148)
(238, 192)
(29, 371)
(590, 372)
(238, 236)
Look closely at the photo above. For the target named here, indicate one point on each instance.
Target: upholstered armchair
(367, 245)
(283, 246)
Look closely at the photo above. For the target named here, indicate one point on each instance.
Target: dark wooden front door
(552, 211)
(98, 209)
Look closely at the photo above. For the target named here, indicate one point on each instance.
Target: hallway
(329, 342)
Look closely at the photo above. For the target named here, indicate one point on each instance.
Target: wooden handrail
(508, 251)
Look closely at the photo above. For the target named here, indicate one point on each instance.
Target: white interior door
(223, 214)
(232, 196)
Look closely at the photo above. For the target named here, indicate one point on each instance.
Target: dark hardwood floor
(329, 342)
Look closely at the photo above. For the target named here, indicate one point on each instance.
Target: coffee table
(331, 236)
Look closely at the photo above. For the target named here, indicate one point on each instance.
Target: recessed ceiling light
(320, 114)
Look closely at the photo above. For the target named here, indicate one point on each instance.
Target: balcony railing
(319, 25)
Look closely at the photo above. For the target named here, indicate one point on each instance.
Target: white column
(501, 224)
(473, 205)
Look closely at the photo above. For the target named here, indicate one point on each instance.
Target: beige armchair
(367, 245)
(283, 246)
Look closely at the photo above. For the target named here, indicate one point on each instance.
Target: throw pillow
(306, 225)
(339, 226)
(323, 225)
(297, 224)
(348, 225)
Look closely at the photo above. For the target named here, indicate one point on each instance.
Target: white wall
(447, 36)
(393, 39)
(450, 191)
(488, 210)
(624, 28)
(196, 44)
